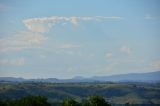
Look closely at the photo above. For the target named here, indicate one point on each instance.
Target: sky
(68, 38)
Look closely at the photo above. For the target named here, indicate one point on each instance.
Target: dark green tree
(3, 103)
(128, 104)
(96, 101)
(31, 101)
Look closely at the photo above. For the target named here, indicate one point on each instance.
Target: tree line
(43, 101)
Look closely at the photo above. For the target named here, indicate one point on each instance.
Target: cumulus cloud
(18, 61)
(126, 49)
(44, 24)
(21, 41)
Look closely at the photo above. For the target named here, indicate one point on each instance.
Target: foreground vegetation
(54, 94)
(26, 101)
(42, 101)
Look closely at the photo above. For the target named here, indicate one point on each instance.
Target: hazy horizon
(72, 77)
(64, 39)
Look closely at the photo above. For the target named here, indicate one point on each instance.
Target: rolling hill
(146, 94)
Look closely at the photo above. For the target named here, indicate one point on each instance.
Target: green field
(114, 93)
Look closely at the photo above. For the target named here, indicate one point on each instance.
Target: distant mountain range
(142, 77)
(131, 77)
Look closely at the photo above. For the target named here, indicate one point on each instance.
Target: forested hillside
(114, 93)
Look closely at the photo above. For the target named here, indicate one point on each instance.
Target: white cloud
(126, 49)
(18, 61)
(109, 55)
(149, 17)
(21, 41)
(74, 20)
(34, 26)
(45, 23)
(67, 46)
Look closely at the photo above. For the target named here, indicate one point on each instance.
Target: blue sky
(67, 38)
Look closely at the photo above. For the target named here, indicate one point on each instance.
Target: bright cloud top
(45, 23)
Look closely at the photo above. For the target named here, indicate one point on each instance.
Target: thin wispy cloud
(148, 67)
(149, 17)
(21, 41)
(44, 24)
(124, 64)
(109, 55)
(125, 49)
(68, 46)
(17, 61)
(155, 65)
